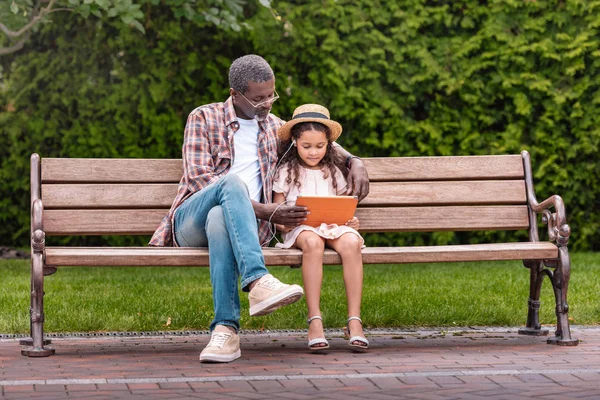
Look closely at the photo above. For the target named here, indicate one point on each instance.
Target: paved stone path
(457, 364)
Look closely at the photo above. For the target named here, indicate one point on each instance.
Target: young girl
(309, 168)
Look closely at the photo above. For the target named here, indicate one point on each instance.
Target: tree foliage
(18, 18)
(404, 79)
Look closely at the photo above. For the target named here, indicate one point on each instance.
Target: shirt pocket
(221, 156)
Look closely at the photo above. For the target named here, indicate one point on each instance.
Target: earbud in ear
(294, 142)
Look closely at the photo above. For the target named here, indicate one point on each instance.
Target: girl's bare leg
(312, 246)
(348, 246)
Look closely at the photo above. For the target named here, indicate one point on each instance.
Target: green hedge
(404, 79)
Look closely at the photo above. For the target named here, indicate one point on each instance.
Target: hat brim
(285, 131)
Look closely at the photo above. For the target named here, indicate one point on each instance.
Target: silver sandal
(313, 343)
(363, 343)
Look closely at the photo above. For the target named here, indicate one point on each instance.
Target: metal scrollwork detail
(38, 241)
(563, 235)
(559, 235)
(549, 219)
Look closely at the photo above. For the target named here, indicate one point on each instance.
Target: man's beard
(260, 117)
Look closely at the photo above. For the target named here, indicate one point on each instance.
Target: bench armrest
(38, 236)
(558, 229)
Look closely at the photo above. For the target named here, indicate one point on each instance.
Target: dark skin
(289, 215)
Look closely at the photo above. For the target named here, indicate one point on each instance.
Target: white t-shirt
(245, 163)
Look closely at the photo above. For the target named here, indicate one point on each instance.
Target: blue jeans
(221, 217)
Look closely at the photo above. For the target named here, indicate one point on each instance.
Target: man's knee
(232, 183)
(215, 222)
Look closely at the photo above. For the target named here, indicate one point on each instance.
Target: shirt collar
(232, 118)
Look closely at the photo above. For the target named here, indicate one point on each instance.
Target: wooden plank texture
(57, 170)
(452, 218)
(445, 193)
(93, 170)
(113, 195)
(169, 256)
(387, 194)
(392, 219)
(445, 168)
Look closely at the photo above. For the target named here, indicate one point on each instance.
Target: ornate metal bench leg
(37, 301)
(560, 282)
(536, 278)
(29, 340)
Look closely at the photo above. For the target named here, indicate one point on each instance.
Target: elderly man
(224, 200)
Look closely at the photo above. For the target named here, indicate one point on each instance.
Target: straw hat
(310, 113)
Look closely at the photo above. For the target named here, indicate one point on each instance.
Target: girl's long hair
(293, 162)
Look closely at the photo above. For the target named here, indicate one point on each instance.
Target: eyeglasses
(262, 103)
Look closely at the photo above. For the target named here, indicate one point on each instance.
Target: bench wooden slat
(125, 195)
(445, 193)
(57, 170)
(392, 219)
(92, 170)
(445, 168)
(100, 195)
(452, 218)
(150, 256)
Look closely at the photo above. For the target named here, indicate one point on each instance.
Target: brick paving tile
(445, 380)
(256, 395)
(237, 385)
(267, 386)
(587, 394)
(563, 378)
(384, 396)
(81, 387)
(112, 387)
(142, 386)
(386, 383)
(362, 382)
(49, 388)
(288, 394)
(326, 384)
(203, 386)
(589, 377)
(418, 380)
(293, 384)
(498, 363)
(34, 395)
(17, 388)
(174, 385)
(536, 378)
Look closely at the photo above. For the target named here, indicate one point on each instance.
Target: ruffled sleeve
(342, 185)
(279, 184)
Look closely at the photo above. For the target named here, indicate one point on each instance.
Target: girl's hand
(353, 223)
(283, 228)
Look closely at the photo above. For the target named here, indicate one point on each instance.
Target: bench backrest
(416, 194)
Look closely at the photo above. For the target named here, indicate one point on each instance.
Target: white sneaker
(269, 294)
(223, 347)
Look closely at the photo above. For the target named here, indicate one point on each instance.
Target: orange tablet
(328, 209)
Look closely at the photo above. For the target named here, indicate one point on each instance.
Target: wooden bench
(412, 194)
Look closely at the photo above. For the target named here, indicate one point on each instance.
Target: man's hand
(284, 215)
(358, 179)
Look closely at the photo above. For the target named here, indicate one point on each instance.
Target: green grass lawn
(402, 296)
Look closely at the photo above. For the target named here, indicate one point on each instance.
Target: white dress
(312, 183)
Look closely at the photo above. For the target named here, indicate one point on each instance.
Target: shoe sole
(220, 358)
(292, 295)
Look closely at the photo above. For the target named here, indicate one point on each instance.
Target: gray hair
(250, 68)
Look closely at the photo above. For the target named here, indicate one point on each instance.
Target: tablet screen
(328, 209)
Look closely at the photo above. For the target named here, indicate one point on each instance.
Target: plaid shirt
(208, 153)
